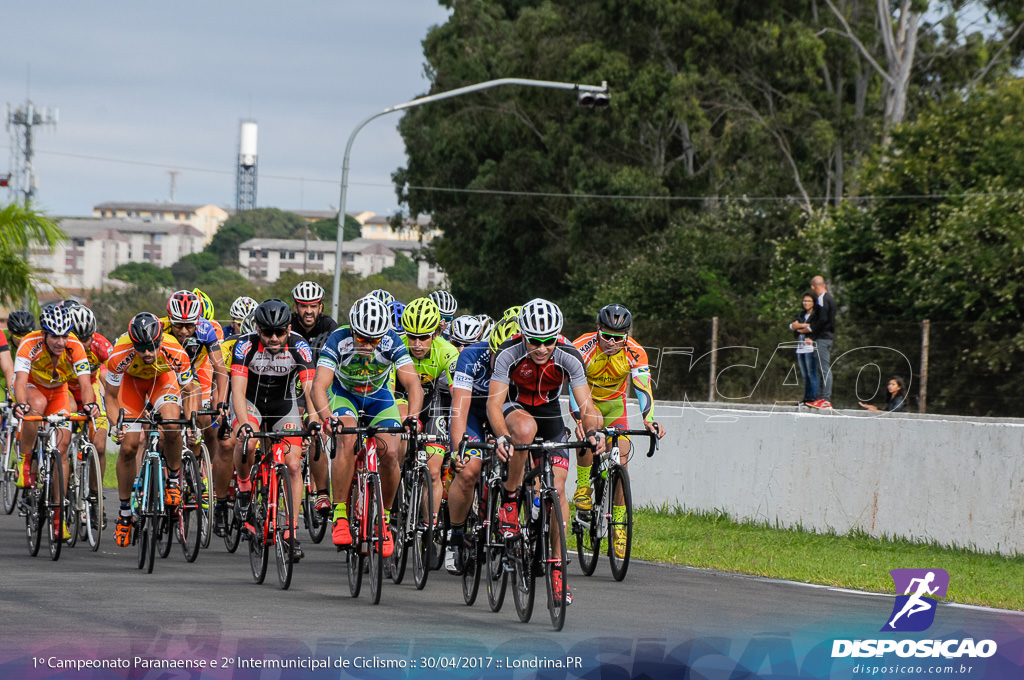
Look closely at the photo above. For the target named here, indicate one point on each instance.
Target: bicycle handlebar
(155, 418)
(56, 418)
(223, 432)
(614, 433)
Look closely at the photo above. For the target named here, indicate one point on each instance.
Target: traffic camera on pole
(592, 97)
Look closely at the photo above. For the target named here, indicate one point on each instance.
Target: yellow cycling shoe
(581, 499)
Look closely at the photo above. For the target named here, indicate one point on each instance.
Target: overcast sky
(145, 87)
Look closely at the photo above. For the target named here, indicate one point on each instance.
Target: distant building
(206, 218)
(379, 227)
(95, 247)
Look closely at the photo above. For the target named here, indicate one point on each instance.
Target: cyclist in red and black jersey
(522, 401)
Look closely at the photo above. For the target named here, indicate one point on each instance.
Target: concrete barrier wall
(956, 481)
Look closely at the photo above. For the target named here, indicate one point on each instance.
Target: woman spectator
(806, 357)
(896, 400)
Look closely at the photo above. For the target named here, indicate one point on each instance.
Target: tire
(54, 499)
(523, 576)
(204, 475)
(259, 554)
(400, 530)
(494, 552)
(153, 517)
(355, 554)
(284, 529)
(618, 484)
(422, 501)
(166, 530)
(9, 471)
(233, 536)
(316, 524)
(92, 521)
(376, 543)
(471, 553)
(35, 519)
(552, 542)
(72, 504)
(191, 515)
(586, 527)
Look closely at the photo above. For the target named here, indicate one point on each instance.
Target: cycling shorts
(478, 431)
(614, 412)
(101, 423)
(378, 406)
(135, 392)
(550, 426)
(58, 400)
(281, 416)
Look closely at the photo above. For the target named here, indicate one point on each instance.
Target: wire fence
(944, 365)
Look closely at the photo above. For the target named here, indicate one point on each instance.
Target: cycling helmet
(445, 302)
(248, 324)
(308, 291)
(83, 322)
(502, 331)
(273, 313)
(241, 307)
(370, 318)
(397, 308)
(184, 307)
(21, 322)
(486, 324)
(145, 330)
(382, 295)
(615, 318)
(55, 320)
(466, 329)
(207, 304)
(512, 312)
(421, 316)
(70, 304)
(540, 319)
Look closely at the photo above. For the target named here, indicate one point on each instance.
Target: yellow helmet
(421, 316)
(207, 304)
(512, 313)
(502, 331)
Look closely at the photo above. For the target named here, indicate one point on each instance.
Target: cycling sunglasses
(366, 341)
(147, 347)
(274, 332)
(612, 337)
(543, 342)
(183, 326)
(419, 337)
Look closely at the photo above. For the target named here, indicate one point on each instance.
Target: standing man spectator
(825, 330)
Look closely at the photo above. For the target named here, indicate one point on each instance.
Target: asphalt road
(99, 605)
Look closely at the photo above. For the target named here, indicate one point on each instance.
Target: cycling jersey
(609, 376)
(198, 345)
(98, 354)
(355, 372)
(473, 373)
(531, 384)
(318, 334)
(227, 349)
(272, 376)
(170, 358)
(33, 358)
(435, 369)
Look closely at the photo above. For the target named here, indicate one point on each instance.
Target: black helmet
(615, 318)
(21, 322)
(145, 331)
(273, 313)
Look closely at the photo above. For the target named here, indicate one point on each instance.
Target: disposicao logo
(914, 611)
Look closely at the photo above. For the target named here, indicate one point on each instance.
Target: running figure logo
(914, 610)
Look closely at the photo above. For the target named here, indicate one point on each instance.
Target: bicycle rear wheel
(258, 548)
(355, 552)
(422, 509)
(523, 558)
(471, 553)
(92, 495)
(54, 504)
(618, 556)
(586, 527)
(400, 529)
(190, 514)
(233, 535)
(72, 514)
(316, 523)
(494, 551)
(553, 557)
(34, 519)
(284, 529)
(204, 475)
(8, 470)
(153, 517)
(375, 512)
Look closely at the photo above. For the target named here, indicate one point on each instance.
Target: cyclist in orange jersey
(148, 365)
(97, 350)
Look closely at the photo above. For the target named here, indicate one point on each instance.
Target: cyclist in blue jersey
(352, 378)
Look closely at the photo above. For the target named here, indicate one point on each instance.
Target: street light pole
(598, 96)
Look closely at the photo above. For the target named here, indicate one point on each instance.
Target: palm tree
(20, 229)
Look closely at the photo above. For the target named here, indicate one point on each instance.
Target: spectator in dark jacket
(896, 399)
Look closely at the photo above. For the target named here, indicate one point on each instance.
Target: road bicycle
(44, 501)
(8, 457)
(270, 523)
(540, 547)
(412, 515)
(85, 490)
(315, 522)
(156, 524)
(611, 516)
(366, 510)
(482, 540)
(206, 474)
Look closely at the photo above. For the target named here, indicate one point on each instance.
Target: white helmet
(83, 322)
(487, 324)
(445, 302)
(241, 307)
(466, 329)
(540, 319)
(55, 320)
(308, 291)
(382, 295)
(369, 317)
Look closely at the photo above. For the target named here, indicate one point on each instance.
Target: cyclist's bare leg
(29, 430)
(560, 476)
(223, 466)
(344, 462)
(434, 465)
(293, 459)
(318, 468)
(460, 494)
(127, 463)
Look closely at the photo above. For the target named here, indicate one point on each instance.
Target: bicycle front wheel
(258, 553)
(92, 494)
(355, 552)
(620, 539)
(471, 552)
(422, 508)
(54, 504)
(9, 471)
(586, 527)
(190, 513)
(400, 530)
(523, 558)
(494, 551)
(204, 475)
(316, 523)
(34, 519)
(284, 529)
(553, 556)
(72, 511)
(375, 513)
(153, 516)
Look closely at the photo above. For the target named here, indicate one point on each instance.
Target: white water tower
(245, 189)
